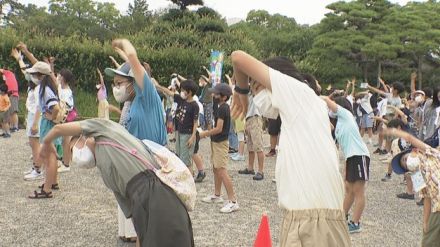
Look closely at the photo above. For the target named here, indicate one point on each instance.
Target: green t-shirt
(117, 167)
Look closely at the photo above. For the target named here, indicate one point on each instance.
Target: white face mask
(83, 157)
(412, 163)
(331, 114)
(121, 94)
(183, 95)
(35, 80)
(264, 104)
(419, 99)
(4, 78)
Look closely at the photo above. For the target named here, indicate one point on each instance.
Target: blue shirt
(48, 100)
(146, 119)
(348, 136)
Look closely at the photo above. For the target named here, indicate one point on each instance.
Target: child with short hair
(5, 104)
(219, 149)
(187, 116)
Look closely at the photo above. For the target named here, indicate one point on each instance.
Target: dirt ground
(84, 213)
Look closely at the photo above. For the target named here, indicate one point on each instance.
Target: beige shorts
(314, 227)
(431, 238)
(219, 154)
(254, 132)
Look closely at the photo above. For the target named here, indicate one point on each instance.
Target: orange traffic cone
(263, 235)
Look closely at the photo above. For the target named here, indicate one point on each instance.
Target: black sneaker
(405, 196)
(383, 152)
(259, 176)
(200, 177)
(378, 150)
(14, 130)
(232, 150)
(245, 171)
(6, 135)
(386, 178)
(420, 203)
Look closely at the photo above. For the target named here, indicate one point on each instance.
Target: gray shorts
(367, 121)
(14, 104)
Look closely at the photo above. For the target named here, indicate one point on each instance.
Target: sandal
(41, 195)
(246, 172)
(54, 186)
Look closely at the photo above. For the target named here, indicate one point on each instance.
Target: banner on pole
(216, 67)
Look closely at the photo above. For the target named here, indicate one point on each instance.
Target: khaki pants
(432, 237)
(314, 227)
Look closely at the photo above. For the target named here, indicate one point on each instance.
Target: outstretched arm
(376, 90)
(115, 63)
(413, 82)
(332, 106)
(408, 137)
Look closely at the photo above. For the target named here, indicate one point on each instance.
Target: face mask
(35, 80)
(83, 157)
(121, 94)
(183, 95)
(264, 104)
(419, 99)
(4, 78)
(331, 114)
(412, 163)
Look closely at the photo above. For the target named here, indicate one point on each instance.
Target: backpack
(433, 141)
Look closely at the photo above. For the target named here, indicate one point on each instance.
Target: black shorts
(357, 168)
(196, 146)
(274, 126)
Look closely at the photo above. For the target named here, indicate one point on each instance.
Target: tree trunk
(379, 72)
(365, 72)
(419, 71)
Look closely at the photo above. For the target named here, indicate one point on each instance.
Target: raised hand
(22, 46)
(15, 54)
(101, 78)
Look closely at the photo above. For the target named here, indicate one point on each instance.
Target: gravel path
(83, 212)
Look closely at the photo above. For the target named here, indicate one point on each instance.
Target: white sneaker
(229, 207)
(274, 180)
(34, 175)
(213, 199)
(28, 171)
(63, 168)
(238, 157)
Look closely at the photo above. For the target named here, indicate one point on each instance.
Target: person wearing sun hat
(142, 114)
(131, 82)
(422, 162)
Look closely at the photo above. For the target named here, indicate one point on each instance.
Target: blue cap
(395, 162)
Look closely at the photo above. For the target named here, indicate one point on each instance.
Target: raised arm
(400, 113)
(247, 66)
(115, 63)
(332, 106)
(136, 66)
(384, 85)
(101, 78)
(162, 89)
(17, 56)
(413, 82)
(23, 48)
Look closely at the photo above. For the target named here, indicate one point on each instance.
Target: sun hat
(40, 67)
(123, 70)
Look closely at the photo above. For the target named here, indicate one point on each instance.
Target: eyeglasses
(117, 84)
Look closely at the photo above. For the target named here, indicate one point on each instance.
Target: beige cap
(40, 67)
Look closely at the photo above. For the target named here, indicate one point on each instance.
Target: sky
(304, 12)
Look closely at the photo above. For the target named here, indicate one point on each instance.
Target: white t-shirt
(382, 107)
(32, 100)
(307, 172)
(66, 95)
(394, 101)
(350, 99)
(365, 103)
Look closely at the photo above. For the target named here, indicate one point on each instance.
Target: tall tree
(183, 4)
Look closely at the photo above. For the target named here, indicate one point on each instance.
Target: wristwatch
(241, 90)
